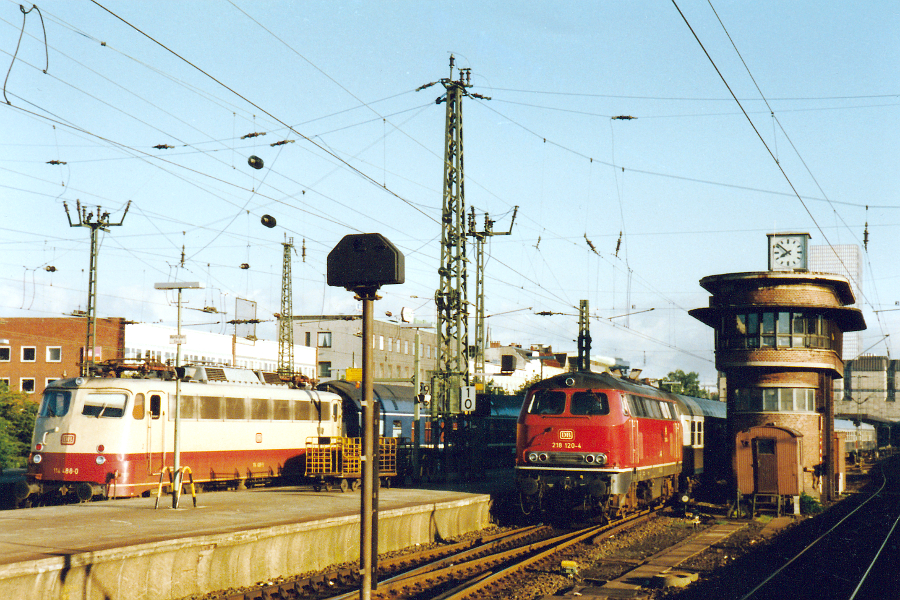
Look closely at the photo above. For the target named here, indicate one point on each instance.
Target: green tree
(522, 389)
(687, 383)
(17, 414)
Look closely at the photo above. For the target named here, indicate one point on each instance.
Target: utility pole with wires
(98, 222)
(285, 320)
(480, 236)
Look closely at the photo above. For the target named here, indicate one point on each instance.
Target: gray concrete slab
(127, 550)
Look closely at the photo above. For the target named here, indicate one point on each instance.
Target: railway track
(466, 570)
(854, 558)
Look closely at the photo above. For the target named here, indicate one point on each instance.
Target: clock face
(788, 253)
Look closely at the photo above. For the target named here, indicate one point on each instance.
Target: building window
(29, 353)
(54, 354)
(4, 353)
(308, 339)
(26, 384)
(405, 346)
(381, 342)
(325, 369)
(50, 380)
(324, 339)
(4, 381)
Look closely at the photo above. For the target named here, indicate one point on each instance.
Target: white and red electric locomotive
(113, 437)
(604, 444)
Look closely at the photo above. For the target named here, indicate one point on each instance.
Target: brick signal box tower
(778, 340)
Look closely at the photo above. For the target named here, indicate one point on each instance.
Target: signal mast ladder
(339, 459)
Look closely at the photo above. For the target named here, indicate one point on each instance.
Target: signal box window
(29, 353)
(546, 402)
(4, 353)
(590, 403)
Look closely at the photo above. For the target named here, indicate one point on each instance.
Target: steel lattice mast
(286, 322)
(451, 298)
(86, 219)
(480, 326)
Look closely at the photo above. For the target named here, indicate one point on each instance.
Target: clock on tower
(788, 251)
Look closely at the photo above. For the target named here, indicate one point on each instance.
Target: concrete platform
(126, 550)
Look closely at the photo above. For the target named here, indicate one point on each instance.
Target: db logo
(566, 434)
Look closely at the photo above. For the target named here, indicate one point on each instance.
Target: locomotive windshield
(547, 402)
(589, 403)
(55, 403)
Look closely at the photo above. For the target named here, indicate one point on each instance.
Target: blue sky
(688, 183)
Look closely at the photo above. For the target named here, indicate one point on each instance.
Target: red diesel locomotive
(604, 444)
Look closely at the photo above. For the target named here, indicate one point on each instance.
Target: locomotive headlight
(36, 459)
(542, 457)
(79, 381)
(101, 460)
(38, 447)
(532, 457)
(601, 458)
(589, 458)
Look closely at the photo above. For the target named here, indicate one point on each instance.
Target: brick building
(778, 337)
(34, 352)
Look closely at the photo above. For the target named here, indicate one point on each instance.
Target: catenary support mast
(285, 321)
(98, 222)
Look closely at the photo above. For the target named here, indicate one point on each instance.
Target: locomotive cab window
(104, 405)
(547, 402)
(55, 403)
(589, 403)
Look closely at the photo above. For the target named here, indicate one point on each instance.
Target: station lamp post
(362, 263)
(178, 340)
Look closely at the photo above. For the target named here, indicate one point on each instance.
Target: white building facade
(143, 340)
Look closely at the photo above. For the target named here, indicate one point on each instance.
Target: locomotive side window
(324, 411)
(211, 408)
(626, 407)
(104, 405)
(55, 403)
(666, 410)
(301, 410)
(235, 409)
(137, 411)
(590, 403)
(259, 409)
(281, 410)
(547, 402)
(188, 407)
(640, 409)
